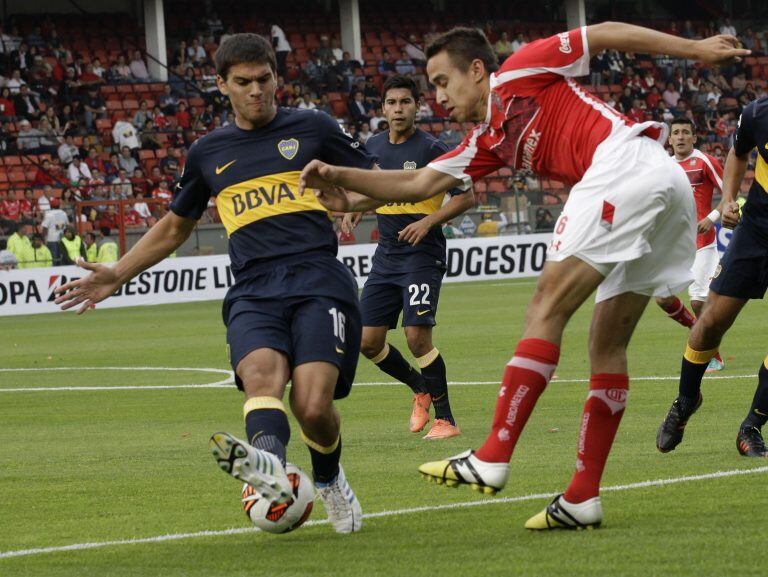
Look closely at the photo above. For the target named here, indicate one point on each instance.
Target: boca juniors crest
(288, 148)
(409, 165)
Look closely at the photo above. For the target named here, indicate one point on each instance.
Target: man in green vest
(107, 247)
(71, 246)
(91, 248)
(19, 243)
(39, 255)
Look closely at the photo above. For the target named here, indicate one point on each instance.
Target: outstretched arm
(456, 205)
(382, 185)
(161, 240)
(631, 38)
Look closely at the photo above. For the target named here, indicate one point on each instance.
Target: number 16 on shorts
(339, 328)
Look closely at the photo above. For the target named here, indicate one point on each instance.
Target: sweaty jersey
(254, 175)
(393, 256)
(539, 118)
(705, 175)
(753, 133)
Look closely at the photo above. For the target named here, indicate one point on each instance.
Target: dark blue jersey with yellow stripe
(753, 133)
(254, 175)
(393, 256)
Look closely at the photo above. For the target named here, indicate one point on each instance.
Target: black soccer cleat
(750, 442)
(671, 431)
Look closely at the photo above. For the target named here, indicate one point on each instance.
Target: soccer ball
(281, 517)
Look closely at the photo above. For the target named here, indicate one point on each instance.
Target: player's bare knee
(665, 301)
(371, 347)
(419, 341)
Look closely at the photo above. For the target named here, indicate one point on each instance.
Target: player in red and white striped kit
(627, 230)
(705, 174)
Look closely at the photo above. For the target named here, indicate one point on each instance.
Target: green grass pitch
(88, 467)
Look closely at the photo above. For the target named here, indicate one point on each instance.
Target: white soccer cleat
(560, 514)
(466, 469)
(261, 470)
(341, 504)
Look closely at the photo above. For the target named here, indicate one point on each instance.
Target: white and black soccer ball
(281, 517)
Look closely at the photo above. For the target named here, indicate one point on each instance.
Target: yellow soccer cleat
(560, 514)
(466, 469)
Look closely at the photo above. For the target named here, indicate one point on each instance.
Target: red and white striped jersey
(539, 118)
(706, 175)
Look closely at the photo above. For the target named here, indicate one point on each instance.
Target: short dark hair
(105, 230)
(244, 47)
(683, 120)
(464, 45)
(398, 81)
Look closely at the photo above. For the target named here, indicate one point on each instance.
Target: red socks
(600, 421)
(679, 313)
(525, 378)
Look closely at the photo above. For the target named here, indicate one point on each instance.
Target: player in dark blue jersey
(741, 275)
(292, 313)
(409, 264)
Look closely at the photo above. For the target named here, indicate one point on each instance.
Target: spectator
(37, 256)
(44, 200)
(138, 67)
(358, 108)
(183, 117)
(95, 163)
(503, 47)
(141, 207)
(490, 227)
(365, 133)
(196, 54)
(386, 64)
(71, 247)
(10, 210)
(139, 182)
(98, 69)
(167, 101)
(121, 70)
(89, 77)
(44, 176)
(7, 106)
(19, 242)
(170, 164)
(282, 47)
(162, 192)
(414, 51)
(68, 203)
(91, 248)
(518, 42)
(142, 114)
(94, 106)
(450, 137)
(26, 104)
(131, 218)
(424, 112)
(107, 251)
(29, 138)
(727, 27)
(404, 65)
(77, 170)
(28, 207)
(670, 96)
(124, 135)
(15, 82)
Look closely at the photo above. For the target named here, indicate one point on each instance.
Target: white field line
(224, 383)
(227, 383)
(377, 515)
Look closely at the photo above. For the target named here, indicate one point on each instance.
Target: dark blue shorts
(305, 327)
(743, 270)
(415, 293)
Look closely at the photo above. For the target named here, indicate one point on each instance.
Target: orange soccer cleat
(420, 414)
(442, 429)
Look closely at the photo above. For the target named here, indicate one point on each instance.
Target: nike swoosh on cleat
(220, 169)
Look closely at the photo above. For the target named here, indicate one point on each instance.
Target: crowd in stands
(82, 120)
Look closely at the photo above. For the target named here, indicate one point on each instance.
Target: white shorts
(632, 217)
(704, 265)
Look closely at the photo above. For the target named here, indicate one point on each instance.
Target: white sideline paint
(379, 514)
(218, 384)
(227, 383)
